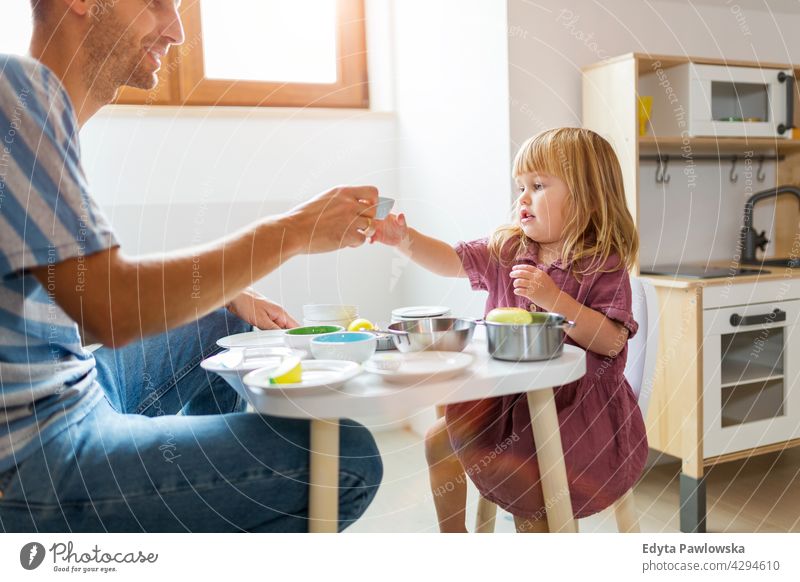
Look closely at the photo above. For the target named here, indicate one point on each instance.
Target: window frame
(182, 79)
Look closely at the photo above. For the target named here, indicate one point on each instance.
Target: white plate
(420, 311)
(318, 376)
(418, 366)
(270, 338)
(248, 359)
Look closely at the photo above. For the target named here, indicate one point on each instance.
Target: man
(93, 443)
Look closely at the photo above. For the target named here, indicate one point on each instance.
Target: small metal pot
(446, 334)
(385, 342)
(541, 340)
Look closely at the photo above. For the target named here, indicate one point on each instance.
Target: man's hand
(257, 310)
(536, 285)
(391, 231)
(341, 217)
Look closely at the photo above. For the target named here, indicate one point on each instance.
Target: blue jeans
(135, 464)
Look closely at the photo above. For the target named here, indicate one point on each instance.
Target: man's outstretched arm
(116, 299)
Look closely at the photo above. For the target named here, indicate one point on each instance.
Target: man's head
(116, 42)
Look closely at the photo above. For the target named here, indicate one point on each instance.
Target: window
(285, 53)
(280, 53)
(307, 46)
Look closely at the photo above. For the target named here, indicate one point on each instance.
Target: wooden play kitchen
(726, 384)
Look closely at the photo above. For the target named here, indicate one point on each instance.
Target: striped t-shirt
(47, 379)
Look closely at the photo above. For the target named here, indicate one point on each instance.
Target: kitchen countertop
(767, 274)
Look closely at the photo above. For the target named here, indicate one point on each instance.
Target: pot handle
(473, 320)
(384, 332)
(566, 325)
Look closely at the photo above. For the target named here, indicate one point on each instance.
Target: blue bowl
(353, 346)
(345, 337)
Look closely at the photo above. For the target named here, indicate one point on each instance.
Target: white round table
(368, 394)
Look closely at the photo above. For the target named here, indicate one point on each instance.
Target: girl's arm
(593, 330)
(433, 254)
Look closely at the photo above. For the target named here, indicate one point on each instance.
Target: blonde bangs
(540, 154)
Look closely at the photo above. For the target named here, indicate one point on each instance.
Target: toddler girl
(568, 250)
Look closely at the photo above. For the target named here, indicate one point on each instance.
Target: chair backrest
(643, 347)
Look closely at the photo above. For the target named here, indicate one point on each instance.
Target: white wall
(549, 42)
(452, 121)
(173, 178)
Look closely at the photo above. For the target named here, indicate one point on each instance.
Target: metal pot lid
(420, 311)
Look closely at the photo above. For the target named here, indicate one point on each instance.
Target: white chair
(639, 370)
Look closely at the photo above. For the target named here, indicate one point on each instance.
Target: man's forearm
(119, 299)
(176, 289)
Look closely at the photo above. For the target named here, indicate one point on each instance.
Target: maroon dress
(602, 431)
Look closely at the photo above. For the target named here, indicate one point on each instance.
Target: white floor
(404, 502)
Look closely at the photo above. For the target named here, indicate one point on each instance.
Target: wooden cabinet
(711, 402)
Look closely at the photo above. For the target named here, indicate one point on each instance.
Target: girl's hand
(391, 231)
(536, 285)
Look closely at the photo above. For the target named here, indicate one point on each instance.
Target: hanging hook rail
(707, 158)
(661, 171)
(733, 176)
(659, 167)
(663, 162)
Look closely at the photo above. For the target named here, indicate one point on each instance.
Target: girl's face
(542, 206)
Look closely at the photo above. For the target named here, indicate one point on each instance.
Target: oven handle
(772, 317)
(789, 80)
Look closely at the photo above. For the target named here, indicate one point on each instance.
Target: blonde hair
(599, 223)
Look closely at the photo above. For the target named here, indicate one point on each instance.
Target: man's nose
(174, 28)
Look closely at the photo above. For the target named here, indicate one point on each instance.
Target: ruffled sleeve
(475, 259)
(610, 294)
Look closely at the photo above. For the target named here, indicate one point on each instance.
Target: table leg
(553, 471)
(323, 492)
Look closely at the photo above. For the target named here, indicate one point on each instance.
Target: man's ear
(79, 7)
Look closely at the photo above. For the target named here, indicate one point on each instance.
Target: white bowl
(317, 322)
(329, 312)
(302, 340)
(353, 346)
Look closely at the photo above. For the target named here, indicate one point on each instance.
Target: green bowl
(300, 338)
(314, 330)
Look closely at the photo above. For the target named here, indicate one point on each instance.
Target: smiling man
(136, 437)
